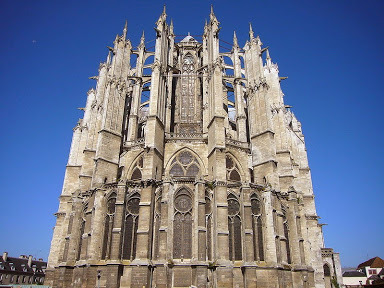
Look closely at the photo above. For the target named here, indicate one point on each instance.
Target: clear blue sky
(332, 52)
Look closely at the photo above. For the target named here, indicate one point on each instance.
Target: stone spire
(162, 17)
(212, 15)
(269, 61)
(109, 58)
(235, 43)
(251, 35)
(142, 41)
(125, 30)
(171, 28)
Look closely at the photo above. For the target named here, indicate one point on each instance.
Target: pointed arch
(184, 164)
(234, 227)
(182, 223)
(109, 217)
(157, 221)
(131, 222)
(208, 224)
(135, 170)
(81, 242)
(257, 227)
(233, 167)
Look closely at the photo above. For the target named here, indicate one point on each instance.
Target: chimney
(5, 256)
(30, 261)
(41, 259)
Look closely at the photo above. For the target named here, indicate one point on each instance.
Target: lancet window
(234, 227)
(208, 224)
(286, 236)
(184, 164)
(182, 225)
(67, 238)
(82, 229)
(131, 222)
(187, 105)
(137, 170)
(157, 222)
(257, 228)
(233, 173)
(108, 226)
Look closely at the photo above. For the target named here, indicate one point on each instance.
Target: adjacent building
(188, 170)
(369, 272)
(23, 270)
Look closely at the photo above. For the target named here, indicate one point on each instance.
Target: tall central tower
(188, 170)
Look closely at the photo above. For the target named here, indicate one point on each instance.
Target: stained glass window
(108, 226)
(208, 224)
(182, 226)
(187, 105)
(184, 164)
(137, 171)
(257, 227)
(131, 222)
(234, 226)
(232, 169)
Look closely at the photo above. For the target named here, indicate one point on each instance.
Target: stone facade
(193, 174)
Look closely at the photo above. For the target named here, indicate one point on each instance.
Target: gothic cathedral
(188, 170)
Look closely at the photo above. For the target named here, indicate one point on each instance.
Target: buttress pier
(188, 170)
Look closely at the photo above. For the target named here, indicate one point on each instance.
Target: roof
(353, 274)
(20, 265)
(188, 38)
(375, 262)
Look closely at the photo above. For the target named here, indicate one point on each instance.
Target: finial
(251, 35)
(235, 43)
(269, 61)
(212, 13)
(125, 29)
(268, 57)
(109, 57)
(171, 26)
(142, 40)
(164, 9)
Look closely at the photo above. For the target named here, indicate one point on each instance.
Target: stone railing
(229, 141)
(191, 136)
(138, 142)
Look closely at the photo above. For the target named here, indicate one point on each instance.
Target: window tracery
(286, 236)
(108, 226)
(233, 173)
(208, 224)
(138, 168)
(184, 164)
(257, 228)
(82, 229)
(131, 222)
(234, 226)
(182, 225)
(157, 220)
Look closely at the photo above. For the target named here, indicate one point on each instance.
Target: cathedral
(188, 170)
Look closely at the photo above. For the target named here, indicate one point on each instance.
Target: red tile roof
(375, 262)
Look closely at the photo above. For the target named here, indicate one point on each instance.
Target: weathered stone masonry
(192, 174)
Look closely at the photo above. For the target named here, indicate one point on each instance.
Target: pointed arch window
(257, 228)
(137, 170)
(131, 222)
(234, 227)
(184, 165)
(108, 226)
(286, 236)
(182, 225)
(157, 220)
(208, 224)
(82, 230)
(233, 173)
